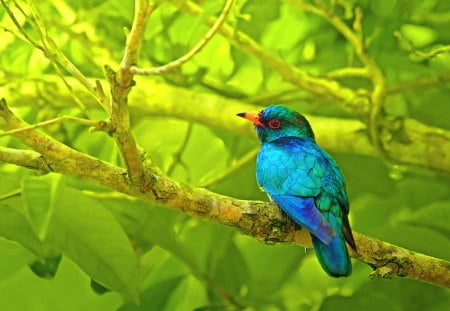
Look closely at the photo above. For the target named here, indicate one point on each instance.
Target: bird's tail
(333, 257)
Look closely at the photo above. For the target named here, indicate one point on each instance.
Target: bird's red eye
(274, 124)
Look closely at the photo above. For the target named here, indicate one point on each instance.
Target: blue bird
(305, 182)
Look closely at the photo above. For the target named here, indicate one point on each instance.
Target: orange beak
(254, 117)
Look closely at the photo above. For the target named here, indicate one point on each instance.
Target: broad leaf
(38, 194)
(156, 296)
(89, 235)
(15, 226)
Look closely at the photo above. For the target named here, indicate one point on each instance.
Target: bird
(305, 182)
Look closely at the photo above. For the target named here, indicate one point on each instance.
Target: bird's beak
(254, 117)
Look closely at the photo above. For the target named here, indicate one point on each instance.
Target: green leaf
(99, 288)
(16, 57)
(156, 296)
(68, 291)
(271, 265)
(213, 157)
(383, 8)
(38, 194)
(286, 42)
(48, 268)
(89, 235)
(257, 17)
(14, 257)
(15, 226)
(403, 295)
(420, 36)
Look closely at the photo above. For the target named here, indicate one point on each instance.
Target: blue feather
(305, 213)
(333, 257)
(305, 182)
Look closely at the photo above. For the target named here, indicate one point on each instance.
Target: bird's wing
(305, 213)
(291, 173)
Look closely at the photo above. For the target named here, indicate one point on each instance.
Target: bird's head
(278, 121)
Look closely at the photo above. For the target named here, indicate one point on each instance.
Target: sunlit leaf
(38, 194)
(15, 226)
(88, 234)
(14, 258)
(133, 248)
(69, 291)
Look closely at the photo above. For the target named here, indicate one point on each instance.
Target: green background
(164, 258)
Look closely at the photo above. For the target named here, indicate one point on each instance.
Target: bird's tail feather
(333, 257)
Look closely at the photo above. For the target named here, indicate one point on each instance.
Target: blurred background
(185, 122)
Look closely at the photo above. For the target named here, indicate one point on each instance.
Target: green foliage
(14, 226)
(63, 234)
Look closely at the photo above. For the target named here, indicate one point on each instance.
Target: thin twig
(12, 194)
(348, 72)
(98, 125)
(196, 49)
(177, 160)
(421, 56)
(417, 55)
(249, 156)
(356, 38)
(56, 57)
(345, 97)
(19, 26)
(52, 52)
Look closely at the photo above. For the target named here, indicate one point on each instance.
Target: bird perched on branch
(305, 182)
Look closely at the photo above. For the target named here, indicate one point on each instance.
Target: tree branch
(392, 261)
(25, 158)
(261, 220)
(96, 125)
(347, 99)
(420, 152)
(196, 49)
(405, 140)
(418, 55)
(52, 155)
(53, 53)
(121, 84)
(419, 83)
(356, 38)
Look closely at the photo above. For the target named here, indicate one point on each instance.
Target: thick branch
(391, 261)
(55, 156)
(25, 158)
(263, 221)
